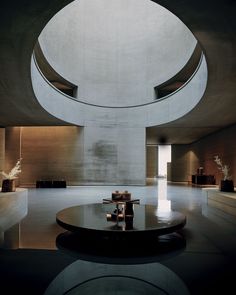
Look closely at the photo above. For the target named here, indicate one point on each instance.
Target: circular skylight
(116, 52)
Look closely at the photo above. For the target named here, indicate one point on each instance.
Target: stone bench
(50, 184)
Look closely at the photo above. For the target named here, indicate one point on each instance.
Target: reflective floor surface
(30, 260)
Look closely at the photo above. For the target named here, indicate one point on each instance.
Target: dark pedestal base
(120, 251)
(8, 185)
(226, 186)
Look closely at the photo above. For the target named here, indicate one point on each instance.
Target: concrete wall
(187, 158)
(90, 155)
(114, 155)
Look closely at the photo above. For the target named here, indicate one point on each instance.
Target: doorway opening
(164, 160)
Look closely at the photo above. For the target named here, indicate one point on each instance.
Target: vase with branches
(227, 183)
(8, 183)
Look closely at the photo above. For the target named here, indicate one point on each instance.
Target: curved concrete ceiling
(212, 22)
(20, 25)
(214, 25)
(160, 111)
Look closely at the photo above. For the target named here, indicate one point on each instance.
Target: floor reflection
(10, 238)
(83, 277)
(164, 205)
(206, 264)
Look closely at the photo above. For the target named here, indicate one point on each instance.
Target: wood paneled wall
(151, 161)
(47, 152)
(2, 148)
(187, 158)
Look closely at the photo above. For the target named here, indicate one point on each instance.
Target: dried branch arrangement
(15, 171)
(223, 168)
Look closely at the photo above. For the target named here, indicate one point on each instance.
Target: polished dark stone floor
(206, 265)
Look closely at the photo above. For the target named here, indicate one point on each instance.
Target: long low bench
(50, 184)
(224, 201)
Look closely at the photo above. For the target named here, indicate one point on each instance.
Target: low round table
(147, 221)
(91, 232)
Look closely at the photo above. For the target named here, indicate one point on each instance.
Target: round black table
(95, 220)
(149, 235)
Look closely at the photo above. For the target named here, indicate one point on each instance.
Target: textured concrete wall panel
(114, 155)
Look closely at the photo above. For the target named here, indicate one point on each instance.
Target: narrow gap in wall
(164, 157)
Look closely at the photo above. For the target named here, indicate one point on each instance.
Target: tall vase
(227, 185)
(8, 185)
